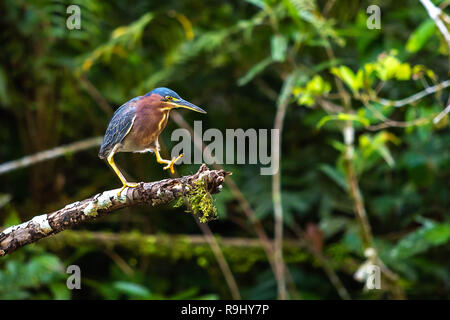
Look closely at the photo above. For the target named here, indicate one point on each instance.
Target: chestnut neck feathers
(151, 119)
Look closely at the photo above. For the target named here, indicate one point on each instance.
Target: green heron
(136, 126)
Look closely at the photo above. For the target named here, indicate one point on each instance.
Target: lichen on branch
(198, 188)
(199, 201)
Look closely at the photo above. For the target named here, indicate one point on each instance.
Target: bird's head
(170, 99)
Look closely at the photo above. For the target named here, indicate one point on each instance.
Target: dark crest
(163, 92)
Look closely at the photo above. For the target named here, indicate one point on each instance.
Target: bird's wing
(119, 126)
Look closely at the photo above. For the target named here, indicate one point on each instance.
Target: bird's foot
(127, 185)
(171, 163)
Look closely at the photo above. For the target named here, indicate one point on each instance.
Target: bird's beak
(181, 103)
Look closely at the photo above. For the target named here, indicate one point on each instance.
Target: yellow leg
(169, 163)
(125, 183)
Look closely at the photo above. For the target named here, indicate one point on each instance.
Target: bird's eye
(169, 98)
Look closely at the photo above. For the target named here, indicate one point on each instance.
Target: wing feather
(119, 126)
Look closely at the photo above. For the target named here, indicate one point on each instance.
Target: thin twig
(96, 95)
(434, 13)
(353, 187)
(282, 105)
(441, 115)
(120, 262)
(386, 122)
(359, 207)
(325, 264)
(215, 248)
(51, 154)
(414, 97)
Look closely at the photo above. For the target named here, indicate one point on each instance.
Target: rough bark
(150, 193)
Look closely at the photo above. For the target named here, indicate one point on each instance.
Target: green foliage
(26, 274)
(255, 70)
(373, 147)
(420, 36)
(123, 39)
(342, 117)
(240, 61)
(429, 235)
(354, 81)
(278, 45)
(386, 67)
(314, 88)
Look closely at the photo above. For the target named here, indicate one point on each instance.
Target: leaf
(124, 37)
(314, 88)
(326, 64)
(369, 145)
(403, 72)
(302, 11)
(257, 68)
(185, 294)
(420, 36)
(278, 45)
(438, 235)
(332, 225)
(346, 74)
(60, 291)
(429, 235)
(306, 99)
(259, 3)
(386, 154)
(318, 86)
(335, 175)
(295, 203)
(352, 240)
(338, 145)
(343, 117)
(132, 289)
(43, 269)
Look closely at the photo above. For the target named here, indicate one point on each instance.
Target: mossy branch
(199, 201)
(197, 187)
(240, 253)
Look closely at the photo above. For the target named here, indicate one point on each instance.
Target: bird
(136, 125)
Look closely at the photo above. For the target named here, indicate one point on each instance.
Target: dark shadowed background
(312, 67)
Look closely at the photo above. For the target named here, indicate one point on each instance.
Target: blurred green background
(312, 65)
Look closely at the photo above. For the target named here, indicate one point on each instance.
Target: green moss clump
(199, 201)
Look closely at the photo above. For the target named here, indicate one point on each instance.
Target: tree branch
(282, 104)
(50, 154)
(434, 13)
(441, 114)
(414, 97)
(150, 193)
(113, 240)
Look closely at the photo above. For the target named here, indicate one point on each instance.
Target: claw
(171, 163)
(127, 185)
